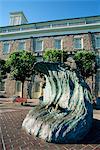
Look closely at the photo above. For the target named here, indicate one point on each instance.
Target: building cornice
(51, 31)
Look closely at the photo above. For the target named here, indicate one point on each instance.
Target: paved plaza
(12, 137)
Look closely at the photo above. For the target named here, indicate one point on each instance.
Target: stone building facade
(69, 35)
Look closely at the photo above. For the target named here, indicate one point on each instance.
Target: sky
(45, 10)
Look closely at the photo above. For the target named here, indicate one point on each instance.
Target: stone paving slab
(14, 138)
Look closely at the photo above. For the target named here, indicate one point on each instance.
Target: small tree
(3, 70)
(85, 61)
(21, 65)
(55, 55)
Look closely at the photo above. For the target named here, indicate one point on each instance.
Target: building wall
(29, 44)
(48, 42)
(25, 94)
(9, 87)
(68, 42)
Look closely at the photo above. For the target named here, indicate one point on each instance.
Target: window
(14, 20)
(6, 48)
(78, 43)
(97, 41)
(18, 86)
(21, 45)
(38, 45)
(57, 43)
(2, 86)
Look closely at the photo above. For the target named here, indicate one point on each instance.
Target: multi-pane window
(16, 20)
(38, 45)
(6, 48)
(57, 43)
(18, 86)
(97, 41)
(78, 43)
(21, 45)
(2, 86)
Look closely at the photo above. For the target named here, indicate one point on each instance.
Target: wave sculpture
(65, 114)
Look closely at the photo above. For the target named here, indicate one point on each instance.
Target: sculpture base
(56, 126)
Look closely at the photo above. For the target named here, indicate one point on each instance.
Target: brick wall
(25, 94)
(68, 43)
(29, 44)
(48, 42)
(2, 56)
(10, 84)
(9, 87)
(86, 42)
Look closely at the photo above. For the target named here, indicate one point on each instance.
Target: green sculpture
(65, 114)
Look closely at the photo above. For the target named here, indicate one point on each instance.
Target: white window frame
(8, 48)
(38, 40)
(11, 21)
(61, 43)
(81, 42)
(96, 36)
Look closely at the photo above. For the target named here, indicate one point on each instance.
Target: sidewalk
(10, 100)
(14, 138)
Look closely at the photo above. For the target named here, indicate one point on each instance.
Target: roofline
(16, 12)
(50, 21)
